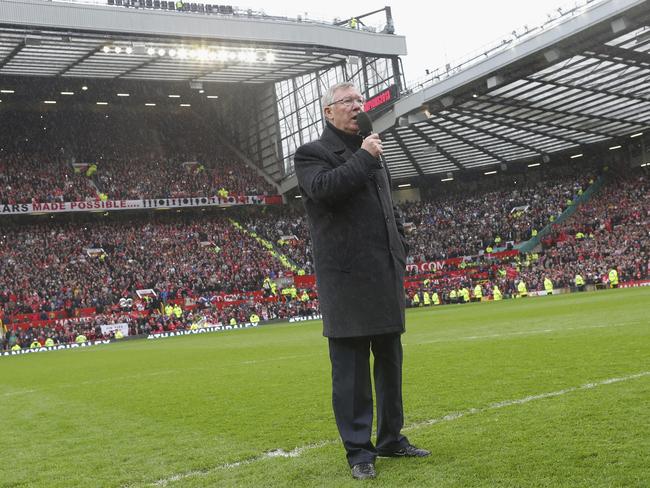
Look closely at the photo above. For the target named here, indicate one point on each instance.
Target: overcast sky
(437, 32)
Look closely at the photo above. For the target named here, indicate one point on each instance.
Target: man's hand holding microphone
(371, 142)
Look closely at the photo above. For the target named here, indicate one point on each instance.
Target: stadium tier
(219, 266)
(189, 130)
(78, 156)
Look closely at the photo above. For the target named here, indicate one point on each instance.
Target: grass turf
(207, 410)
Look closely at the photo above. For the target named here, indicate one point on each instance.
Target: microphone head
(364, 123)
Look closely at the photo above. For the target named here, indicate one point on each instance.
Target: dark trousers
(352, 394)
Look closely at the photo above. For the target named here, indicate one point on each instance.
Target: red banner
(221, 305)
(49, 316)
(433, 266)
(305, 281)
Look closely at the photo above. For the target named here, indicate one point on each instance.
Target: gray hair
(328, 98)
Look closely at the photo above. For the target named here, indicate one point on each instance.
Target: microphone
(365, 124)
(365, 129)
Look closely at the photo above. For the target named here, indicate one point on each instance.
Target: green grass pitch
(540, 392)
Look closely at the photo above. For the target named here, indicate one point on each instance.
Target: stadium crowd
(286, 227)
(127, 179)
(41, 160)
(69, 264)
(41, 178)
(463, 225)
(611, 230)
(46, 267)
(154, 320)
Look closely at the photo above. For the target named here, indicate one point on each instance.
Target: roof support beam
(14, 52)
(329, 60)
(532, 106)
(491, 133)
(625, 56)
(578, 71)
(544, 93)
(441, 150)
(136, 68)
(407, 151)
(90, 53)
(589, 89)
(545, 123)
(491, 117)
(581, 70)
(467, 141)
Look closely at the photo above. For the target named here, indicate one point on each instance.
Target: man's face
(342, 114)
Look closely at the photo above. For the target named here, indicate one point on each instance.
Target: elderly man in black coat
(359, 255)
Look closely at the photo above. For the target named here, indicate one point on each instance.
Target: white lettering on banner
(111, 205)
(54, 348)
(635, 284)
(211, 328)
(202, 201)
(122, 326)
(539, 293)
(303, 319)
(204, 330)
(226, 298)
(146, 292)
(429, 266)
(521, 208)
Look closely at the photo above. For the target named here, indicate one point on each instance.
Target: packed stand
(46, 157)
(465, 225)
(156, 321)
(127, 179)
(611, 230)
(41, 178)
(94, 262)
(286, 227)
(64, 266)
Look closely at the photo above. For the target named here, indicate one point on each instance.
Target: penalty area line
(275, 453)
(521, 401)
(299, 451)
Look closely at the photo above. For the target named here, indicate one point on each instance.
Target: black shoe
(408, 451)
(363, 471)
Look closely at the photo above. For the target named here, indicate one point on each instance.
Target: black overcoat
(357, 238)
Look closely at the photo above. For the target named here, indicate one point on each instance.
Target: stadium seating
(43, 160)
(93, 264)
(286, 227)
(611, 230)
(465, 224)
(65, 277)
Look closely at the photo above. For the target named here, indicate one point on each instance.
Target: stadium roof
(62, 39)
(584, 81)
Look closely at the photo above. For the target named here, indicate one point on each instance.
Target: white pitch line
(280, 358)
(298, 451)
(521, 401)
(267, 455)
(17, 392)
